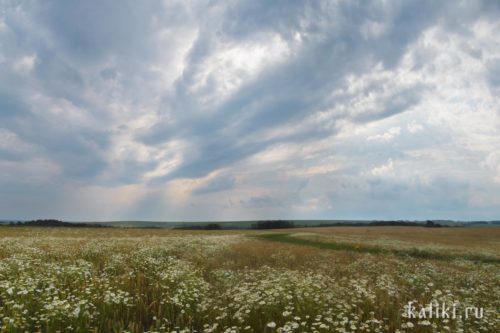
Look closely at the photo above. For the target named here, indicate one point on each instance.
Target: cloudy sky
(182, 110)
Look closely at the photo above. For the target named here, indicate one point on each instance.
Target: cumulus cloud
(237, 110)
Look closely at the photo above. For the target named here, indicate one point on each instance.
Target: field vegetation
(355, 279)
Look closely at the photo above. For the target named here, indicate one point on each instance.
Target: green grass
(413, 253)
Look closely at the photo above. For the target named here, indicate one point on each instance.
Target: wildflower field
(298, 280)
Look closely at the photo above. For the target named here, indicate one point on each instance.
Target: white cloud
(277, 153)
(171, 64)
(234, 63)
(414, 127)
(384, 169)
(492, 162)
(25, 63)
(321, 169)
(373, 29)
(10, 141)
(387, 136)
(3, 25)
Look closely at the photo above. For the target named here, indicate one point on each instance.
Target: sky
(243, 110)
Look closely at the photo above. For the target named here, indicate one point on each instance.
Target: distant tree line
(54, 223)
(210, 226)
(273, 224)
(432, 224)
(428, 224)
(284, 224)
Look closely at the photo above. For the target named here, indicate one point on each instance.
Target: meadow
(339, 279)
